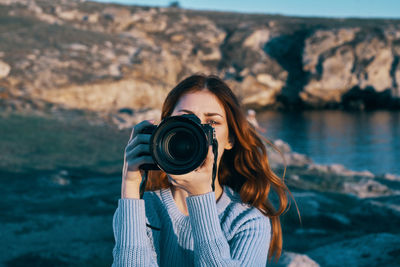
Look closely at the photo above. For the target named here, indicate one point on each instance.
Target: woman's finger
(139, 150)
(138, 128)
(138, 139)
(209, 160)
(135, 163)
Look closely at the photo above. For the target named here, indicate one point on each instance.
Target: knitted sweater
(223, 233)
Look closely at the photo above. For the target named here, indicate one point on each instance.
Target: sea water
(358, 140)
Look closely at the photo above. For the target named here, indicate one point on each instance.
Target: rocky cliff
(104, 57)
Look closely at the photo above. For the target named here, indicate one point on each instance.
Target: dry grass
(35, 143)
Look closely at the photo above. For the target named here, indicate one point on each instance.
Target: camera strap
(143, 183)
(214, 170)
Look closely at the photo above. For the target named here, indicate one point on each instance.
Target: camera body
(179, 144)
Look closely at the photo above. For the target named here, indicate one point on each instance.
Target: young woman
(181, 221)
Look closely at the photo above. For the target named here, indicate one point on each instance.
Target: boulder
(288, 158)
(291, 259)
(381, 249)
(366, 188)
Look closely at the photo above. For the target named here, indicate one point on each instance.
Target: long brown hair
(245, 167)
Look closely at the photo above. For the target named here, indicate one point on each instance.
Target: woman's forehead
(200, 101)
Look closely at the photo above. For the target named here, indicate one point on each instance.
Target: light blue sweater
(226, 233)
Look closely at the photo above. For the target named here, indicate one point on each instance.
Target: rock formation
(87, 55)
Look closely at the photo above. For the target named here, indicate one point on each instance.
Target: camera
(179, 144)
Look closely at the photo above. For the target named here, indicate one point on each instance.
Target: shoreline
(338, 207)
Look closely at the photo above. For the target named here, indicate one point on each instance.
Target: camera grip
(148, 129)
(147, 166)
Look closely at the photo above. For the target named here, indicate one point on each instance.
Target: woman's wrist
(130, 189)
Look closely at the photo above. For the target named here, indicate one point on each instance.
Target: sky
(313, 8)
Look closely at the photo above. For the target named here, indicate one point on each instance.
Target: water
(358, 140)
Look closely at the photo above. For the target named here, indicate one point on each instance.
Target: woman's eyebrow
(208, 114)
(185, 110)
(213, 114)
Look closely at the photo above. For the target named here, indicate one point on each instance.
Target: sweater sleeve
(249, 247)
(132, 245)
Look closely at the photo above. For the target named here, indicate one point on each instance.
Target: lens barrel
(180, 144)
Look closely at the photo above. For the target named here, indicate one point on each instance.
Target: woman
(181, 221)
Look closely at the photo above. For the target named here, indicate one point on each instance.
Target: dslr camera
(179, 144)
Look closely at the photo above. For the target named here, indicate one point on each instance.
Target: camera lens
(181, 145)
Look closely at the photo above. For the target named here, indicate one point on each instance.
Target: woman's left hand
(197, 182)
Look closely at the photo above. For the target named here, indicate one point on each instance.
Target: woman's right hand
(137, 153)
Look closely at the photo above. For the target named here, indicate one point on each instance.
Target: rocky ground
(56, 208)
(347, 217)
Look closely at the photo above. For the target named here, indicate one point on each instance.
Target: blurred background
(323, 79)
